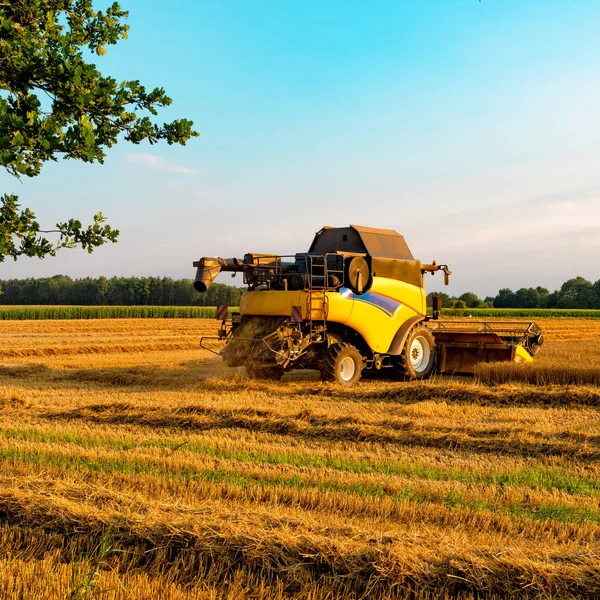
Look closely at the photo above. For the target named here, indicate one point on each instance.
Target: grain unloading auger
(355, 301)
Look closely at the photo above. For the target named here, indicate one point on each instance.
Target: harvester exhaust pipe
(210, 266)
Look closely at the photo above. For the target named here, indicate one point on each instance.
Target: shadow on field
(201, 380)
(189, 375)
(309, 425)
(211, 376)
(219, 551)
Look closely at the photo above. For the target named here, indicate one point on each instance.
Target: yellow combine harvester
(355, 301)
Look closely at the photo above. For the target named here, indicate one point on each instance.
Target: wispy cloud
(575, 195)
(537, 222)
(152, 161)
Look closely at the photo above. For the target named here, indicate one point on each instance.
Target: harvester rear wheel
(418, 357)
(273, 373)
(342, 364)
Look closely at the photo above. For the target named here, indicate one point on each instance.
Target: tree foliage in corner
(55, 104)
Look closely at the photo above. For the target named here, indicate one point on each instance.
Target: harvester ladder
(317, 292)
(317, 305)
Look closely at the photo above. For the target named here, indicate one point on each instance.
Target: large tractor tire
(272, 373)
(418, 357)
(342, 364)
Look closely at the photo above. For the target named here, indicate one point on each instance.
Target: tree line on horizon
(574, 293)
(116, 291)
(165, 291)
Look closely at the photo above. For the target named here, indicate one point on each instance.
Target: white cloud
(159, 163)
(515, 244)
(545, 224)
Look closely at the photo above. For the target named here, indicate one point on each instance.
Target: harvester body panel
(379, 313)
(376, 315)
(272, 303)
(521, 355)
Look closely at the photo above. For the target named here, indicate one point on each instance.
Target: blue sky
(470, 127)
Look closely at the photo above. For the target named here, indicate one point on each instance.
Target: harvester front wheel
(342, 364)
(417, 360)
(273, 373)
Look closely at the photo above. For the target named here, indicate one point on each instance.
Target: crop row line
(25, 312)
(452, 499)
(536, 478)
(22, 313)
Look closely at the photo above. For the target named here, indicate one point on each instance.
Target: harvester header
(356, 300)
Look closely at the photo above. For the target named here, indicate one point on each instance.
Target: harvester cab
(355, 301)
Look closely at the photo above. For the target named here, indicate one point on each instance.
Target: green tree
(543, 296)
(470, 299)
(577, 293)
(505, 299)
(54, 103)
(183, 291)
(115, 295)
(168, 291)
(155, 291)
(527, 298)
(102, 287)
(597, 293)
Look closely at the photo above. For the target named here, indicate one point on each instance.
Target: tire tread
(403, 367)
(327, 364)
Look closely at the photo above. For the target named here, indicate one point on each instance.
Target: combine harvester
(354, 302)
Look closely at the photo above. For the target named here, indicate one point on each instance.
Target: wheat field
(134, 465)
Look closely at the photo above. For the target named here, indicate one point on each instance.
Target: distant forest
(574, 293)
(116, 291)
(164, 291)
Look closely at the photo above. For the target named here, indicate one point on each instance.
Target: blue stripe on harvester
(388, 305)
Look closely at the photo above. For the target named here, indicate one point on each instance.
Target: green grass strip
(559, 479)
(136, 466)
(510, 313)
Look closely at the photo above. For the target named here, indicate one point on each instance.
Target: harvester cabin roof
(378, 243)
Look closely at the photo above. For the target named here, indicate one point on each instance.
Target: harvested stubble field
(135, 466)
